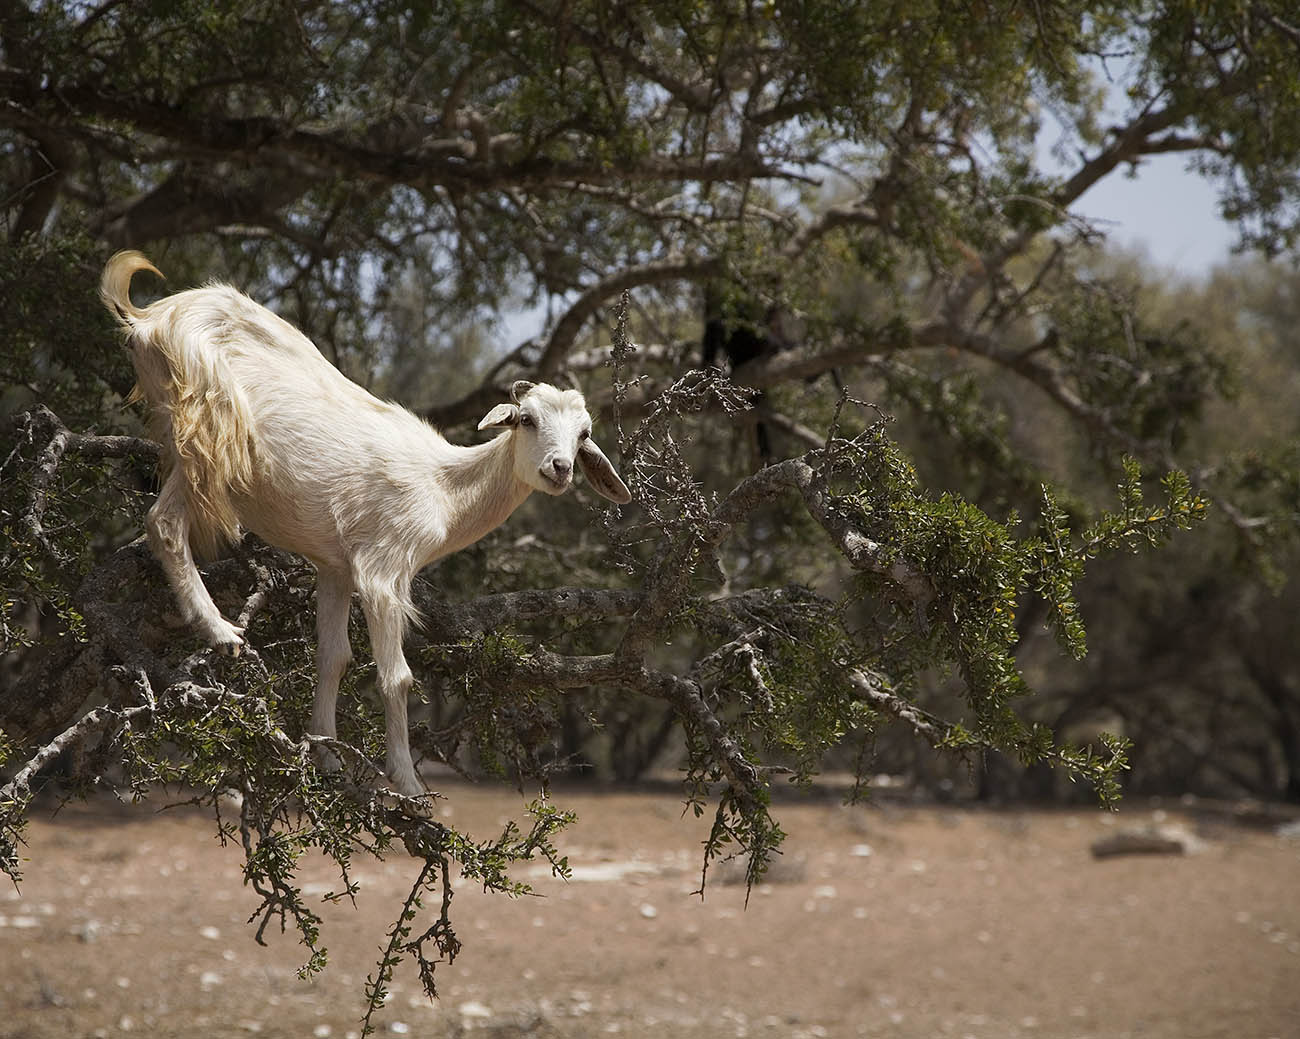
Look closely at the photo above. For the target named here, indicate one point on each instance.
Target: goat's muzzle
(557, 475)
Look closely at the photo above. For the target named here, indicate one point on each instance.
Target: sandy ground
(879, 921)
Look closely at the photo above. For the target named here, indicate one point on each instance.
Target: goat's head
(551, 430)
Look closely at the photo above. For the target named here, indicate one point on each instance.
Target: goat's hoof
(227, 639)
(406, 784)
(418, 805)
(413, 800)
(422, 806)
(408, 789)
(326, 760)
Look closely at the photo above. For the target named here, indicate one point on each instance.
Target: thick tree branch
(556, 350)
(592, 299)
(41, 424)
(320, 151)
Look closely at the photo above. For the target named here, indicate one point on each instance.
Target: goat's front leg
(168, 525)
(386, 620)
(333, 650)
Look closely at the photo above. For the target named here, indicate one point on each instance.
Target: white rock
(602, 872)
(474, 1009)
(861, 851)
(649, 911)
(210, 933)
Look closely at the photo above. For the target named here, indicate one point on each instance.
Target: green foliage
(58, 346)
(864, 179)
(980, 574)
(55, 520)
(1256, 123)
(955, 407)
(1151, 384)
(508, 727)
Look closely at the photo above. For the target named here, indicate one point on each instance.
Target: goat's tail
(115, 285)
(199, 411)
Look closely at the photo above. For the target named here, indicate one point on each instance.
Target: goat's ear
(600, 474)
(503, 416)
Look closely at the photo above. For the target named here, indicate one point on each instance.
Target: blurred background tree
(939, 375)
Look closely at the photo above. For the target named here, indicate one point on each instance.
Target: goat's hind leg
(169, 537)
(333, 652)
(386, 620)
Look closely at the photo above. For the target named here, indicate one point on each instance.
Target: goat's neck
(482, 491)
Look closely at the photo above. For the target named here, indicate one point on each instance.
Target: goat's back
(267, 433)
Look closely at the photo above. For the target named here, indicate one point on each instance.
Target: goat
(739, 327)
(261, 432)
(742, 332)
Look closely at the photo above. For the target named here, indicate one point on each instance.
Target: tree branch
(592, 299)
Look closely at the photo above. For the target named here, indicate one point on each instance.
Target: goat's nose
(562, 467)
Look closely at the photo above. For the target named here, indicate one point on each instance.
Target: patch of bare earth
(878, 921)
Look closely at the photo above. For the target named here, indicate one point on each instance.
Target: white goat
(259, 431)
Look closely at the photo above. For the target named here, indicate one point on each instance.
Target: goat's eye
(585, 435)
(525, 419)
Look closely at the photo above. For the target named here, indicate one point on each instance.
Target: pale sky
(1167, 210)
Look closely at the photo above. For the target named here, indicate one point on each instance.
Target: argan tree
(964, 407)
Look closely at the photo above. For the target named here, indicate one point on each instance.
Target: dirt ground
(888, 920)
